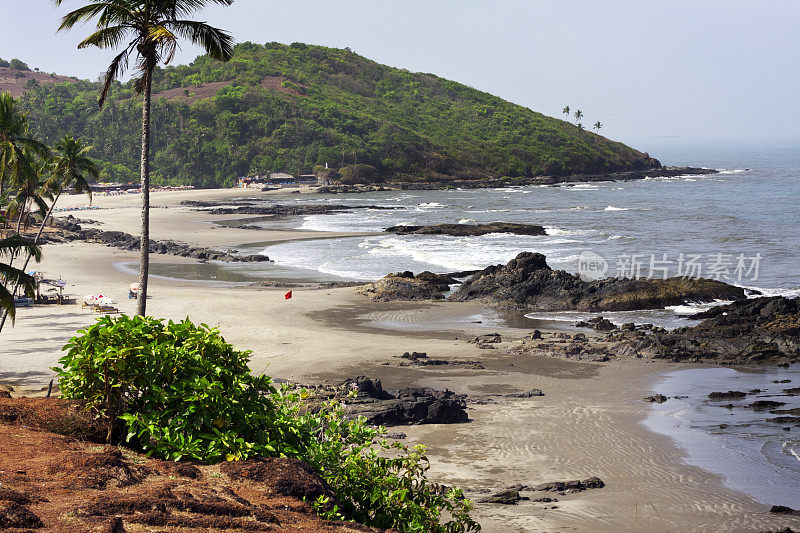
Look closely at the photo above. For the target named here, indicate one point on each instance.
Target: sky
(652, 71)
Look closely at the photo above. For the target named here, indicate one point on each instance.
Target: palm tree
(566, 111)
(69, 168)
(597, 126)
(31, 190)
(578, 115)
(12, 246)
(151, 29)
(15, 140)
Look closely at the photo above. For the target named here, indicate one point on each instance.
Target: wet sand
(588, 423)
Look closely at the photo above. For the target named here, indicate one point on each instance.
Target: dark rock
(657, 398)
(528, 282)
(785, 420)
(404, 286)
(792, 391)
(490, 338)
(536, 335)
(781, 509)
(407, 406)
(544, 499)
(509, 496)
(761, 405)
(527, 394)
(730, 395)
(782, 381)
(572, 486)
(463, 230)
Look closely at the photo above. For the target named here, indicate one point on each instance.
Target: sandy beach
(587, 424)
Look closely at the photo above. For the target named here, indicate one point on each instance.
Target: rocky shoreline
(489, 183)
(71, 230)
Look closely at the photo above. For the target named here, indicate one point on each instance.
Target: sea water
(730, 438)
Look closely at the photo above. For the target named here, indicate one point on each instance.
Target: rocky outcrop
(465, 230)
(571, 486)
(404, 407)
(760, 330)
(405, 286)
(527, 282)
(509, 496)
(72, 231)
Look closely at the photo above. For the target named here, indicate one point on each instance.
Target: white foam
(612, 208)
(430, 205)
(786, 292)
(466, 220)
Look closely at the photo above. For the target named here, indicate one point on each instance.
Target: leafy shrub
(181, 391)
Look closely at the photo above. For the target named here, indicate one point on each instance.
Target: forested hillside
(292, 107)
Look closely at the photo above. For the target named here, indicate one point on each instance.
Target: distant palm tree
(152, 29)
(9, 247)
(578, 115)
(597, 126)
(566, 111)
(580, 126)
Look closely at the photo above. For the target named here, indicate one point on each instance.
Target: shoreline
(588, 423)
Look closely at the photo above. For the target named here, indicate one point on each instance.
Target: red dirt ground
(210, 89)
(16, 86)
(57, 483)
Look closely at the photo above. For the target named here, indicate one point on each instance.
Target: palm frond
(217, 43)
(16, 244)
(110, 37)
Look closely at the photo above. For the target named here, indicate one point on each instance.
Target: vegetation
(31, 175)
(14, 64)
(289, 108)
(11, 247)
(151, 29)
(179, 391)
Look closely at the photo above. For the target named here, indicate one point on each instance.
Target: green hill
(290, 108)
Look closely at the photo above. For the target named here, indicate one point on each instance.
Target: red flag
(287, 295)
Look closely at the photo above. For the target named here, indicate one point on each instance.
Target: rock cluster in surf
(527, 282)
(465, 230)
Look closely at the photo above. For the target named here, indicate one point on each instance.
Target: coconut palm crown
(148, 30)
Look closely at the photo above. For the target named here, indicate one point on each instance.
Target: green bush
(180, 391)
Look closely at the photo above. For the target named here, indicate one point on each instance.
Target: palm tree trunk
(144, 248)
(35, 241)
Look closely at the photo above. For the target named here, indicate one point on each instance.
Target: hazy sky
(651, 70)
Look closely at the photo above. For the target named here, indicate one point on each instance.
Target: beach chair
(23, 302)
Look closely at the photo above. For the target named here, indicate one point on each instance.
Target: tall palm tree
(151, 29)
(566, 111)
(15, 140)
(69, 168)
(597, 126)
(11, 246)
(578, 115)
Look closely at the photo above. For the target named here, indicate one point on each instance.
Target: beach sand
(587, 424)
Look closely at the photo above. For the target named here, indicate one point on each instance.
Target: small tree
(578, 115)
(597, 126)
(566, 111)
